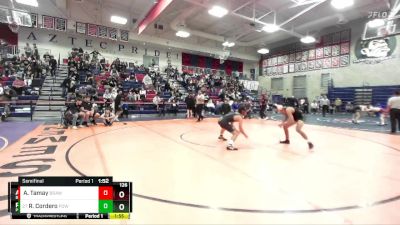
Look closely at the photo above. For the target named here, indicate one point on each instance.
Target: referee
(394, 109)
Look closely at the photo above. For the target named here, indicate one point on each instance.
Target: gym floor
(182, 174)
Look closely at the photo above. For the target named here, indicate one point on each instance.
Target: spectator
(147, 81)
(81, 114)
(210, 107)
(65, 85)
(162, 108)
(89, 112)
(292, 102)
(19, 85)
(108, 117)
(113, 71)
(142, 94)
(118, 104)
(28, 50)
(167, 87)
(136, 94)
(157, 101)
(53, 66)
(125, 110)
(263, 106)
(226, 107)
(200, 105)
(1, 89)
(108, 98)
(331, 108)
(95, 54)
(306, 106)
(349, 107)
(36, 52)
(324, 102)
(190, 105)
(174, 107)
(131, 95)
(394, 110)
(46, 57)
(72, 114)
(338, 104)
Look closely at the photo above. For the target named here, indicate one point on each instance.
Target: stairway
(50, 100)
(174, 83)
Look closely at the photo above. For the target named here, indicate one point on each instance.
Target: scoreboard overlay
(69, 198)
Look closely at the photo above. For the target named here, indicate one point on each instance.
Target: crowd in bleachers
(123, 88)
(21, 76)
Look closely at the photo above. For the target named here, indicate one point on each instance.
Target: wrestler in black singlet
(226, 122)
(297, 115)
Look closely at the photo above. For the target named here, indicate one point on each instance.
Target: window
(300, 86)
(325, 78)
(277, 84)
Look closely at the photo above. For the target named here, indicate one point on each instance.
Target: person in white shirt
(394, 110)
(324, 102)
(108, 117)
(200, 105)
(147, 81)
(210, 106)
(142, 94)
(1, 89)
(157, 101)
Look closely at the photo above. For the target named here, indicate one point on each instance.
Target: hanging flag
(80, 28)
(124, 35)
(112, 33)
(92, 29)
(60, 24)
(103, 32)
(48, 22)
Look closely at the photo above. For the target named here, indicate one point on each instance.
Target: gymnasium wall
(370, 71)
(56, 43)
(63, 42)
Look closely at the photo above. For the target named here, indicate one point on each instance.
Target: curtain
(208, 62)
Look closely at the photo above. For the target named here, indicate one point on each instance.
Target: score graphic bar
(69, 198)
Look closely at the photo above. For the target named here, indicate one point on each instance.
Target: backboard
(391, 26)
(20, 17)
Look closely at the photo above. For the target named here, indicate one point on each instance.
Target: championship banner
(60, 24)
(92, 30)
(124, 35)
(112, 33)
(103, 31)
(48, 22)
(80, 28)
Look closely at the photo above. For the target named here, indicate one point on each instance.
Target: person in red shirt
(19, 85)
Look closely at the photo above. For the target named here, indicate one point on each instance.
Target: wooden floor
(181, 173)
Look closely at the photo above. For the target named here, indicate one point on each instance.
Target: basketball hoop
(14, 27)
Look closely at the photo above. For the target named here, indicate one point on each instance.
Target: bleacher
(138, 107)
(22, 105)
(380, 94)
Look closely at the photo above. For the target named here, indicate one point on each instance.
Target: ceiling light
(228, 44)
(341, 4)
(118, 19)
(28, 2)
(376, 23)
(182, 34)
(270, 28)
(263, 51)
(218, 11)
(307, 39)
